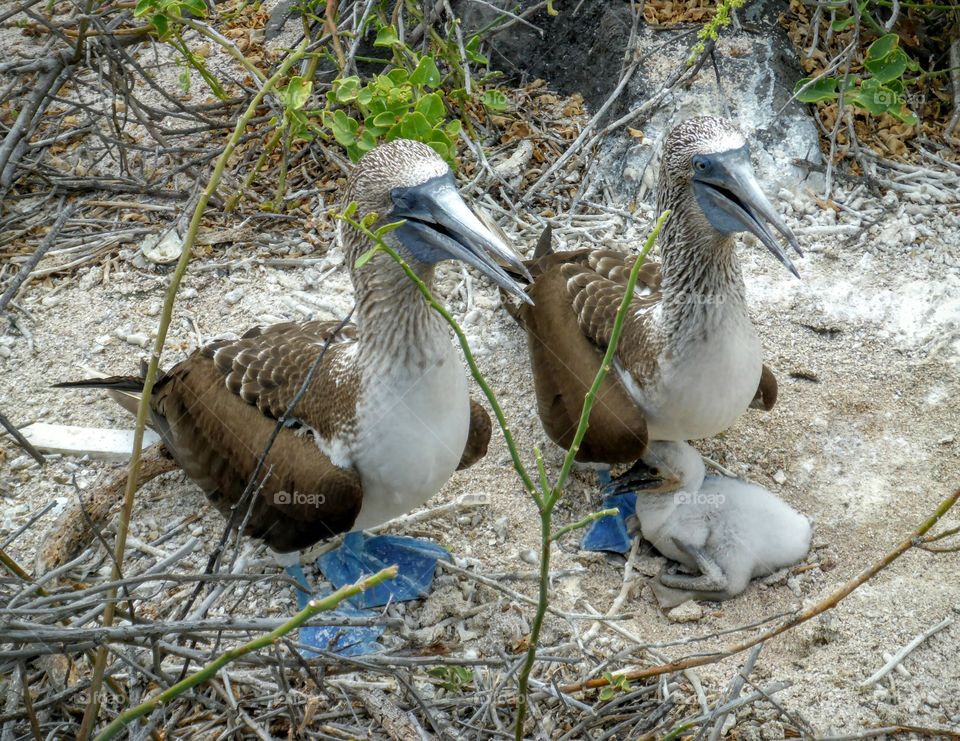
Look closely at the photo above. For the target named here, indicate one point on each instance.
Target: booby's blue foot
(361, 556)
(345, 640)
(610, 533)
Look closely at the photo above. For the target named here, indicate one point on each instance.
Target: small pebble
(153, 308)
(780, 477)
(187, 293)
(231, 297)
(688, 612)
(5, 351)
(528, 555)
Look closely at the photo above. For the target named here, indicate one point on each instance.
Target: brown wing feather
(478, 438)
(217, 410)
(766, 395)
(217, 438)
(267, 366)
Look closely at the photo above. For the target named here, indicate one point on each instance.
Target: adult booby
(387, 418)
(689, 359)
(724, 531)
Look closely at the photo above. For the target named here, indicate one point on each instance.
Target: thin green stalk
(90, 712)
(552, 497)
(314, 607)
(592, 517)
(267, 150)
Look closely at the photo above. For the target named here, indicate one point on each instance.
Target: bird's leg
(710, 579)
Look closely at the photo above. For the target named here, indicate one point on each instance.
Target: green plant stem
(90, 712)
(553, 496)
(248, 180)
(211, 35)
(314, 607)
(592, 517)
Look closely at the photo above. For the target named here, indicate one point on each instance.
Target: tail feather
(125, 390)
(130, 384)
(544, 243)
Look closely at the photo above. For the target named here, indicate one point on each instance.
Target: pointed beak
(645, 478)
(732, 200)
(440, 226)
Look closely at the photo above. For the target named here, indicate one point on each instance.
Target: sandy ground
(867, 450)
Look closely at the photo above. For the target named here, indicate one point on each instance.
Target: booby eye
(700, 164)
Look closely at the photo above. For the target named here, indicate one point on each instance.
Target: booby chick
(689, 361)
(387, 418)
(724, 531)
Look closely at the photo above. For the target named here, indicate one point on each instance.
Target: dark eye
(699, 164)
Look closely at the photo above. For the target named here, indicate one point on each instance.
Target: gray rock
(583, 52)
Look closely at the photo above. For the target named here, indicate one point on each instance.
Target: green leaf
(184, 80)
(350, 210)
(889, 67)
(197, 7)
(342, 126)
(473, 51)
(443, 148)
(386, 36)
(823, 89)
(160, 23)
(365, 257)
(843, 25)
(296, 94)
(494, 100)
(452, 128)
(386, 119)
(415, 126)
(883, 47)
(431, 106)
(873, 97)
(143, 7)
(398, 76)
(904, 114)
(347, 89)
(366, 141)
(426, 73)
(393, 133)
(365, 96)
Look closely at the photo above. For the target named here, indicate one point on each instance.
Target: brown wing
(478, 438)
(565, 361)
(217, 410)
(766, 395)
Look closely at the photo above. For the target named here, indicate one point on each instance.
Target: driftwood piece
(397, 724)
(74, 529)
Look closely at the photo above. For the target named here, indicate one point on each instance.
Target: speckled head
(706, 162)
(401, 163)
(705, 135)
(407, 181)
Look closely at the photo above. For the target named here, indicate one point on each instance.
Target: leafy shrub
(882, 92)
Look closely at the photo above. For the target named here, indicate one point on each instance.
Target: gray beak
(732, 200)
(440, 226)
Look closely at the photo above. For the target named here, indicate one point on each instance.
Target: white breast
(412, 424)
(702, 390)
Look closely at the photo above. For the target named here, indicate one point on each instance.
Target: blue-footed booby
(689, 360)
(387, 418)
(724, 531)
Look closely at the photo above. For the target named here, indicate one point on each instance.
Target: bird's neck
(701, 283)
(396, 327)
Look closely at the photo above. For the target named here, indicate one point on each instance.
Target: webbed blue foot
(610, 533)
(362, 555)
(346, 640)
